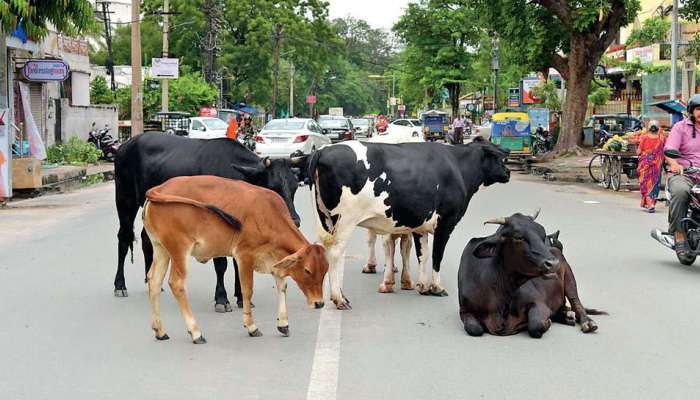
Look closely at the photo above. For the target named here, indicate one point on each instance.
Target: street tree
(68, 16)
(440, 37)
(566, 35)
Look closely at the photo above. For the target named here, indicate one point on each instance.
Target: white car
(206, 128)
(483, 130)
(282, 137)
(401, 131)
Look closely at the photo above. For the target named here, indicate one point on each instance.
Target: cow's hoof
(120, 293)
(342, 305)
(407, 285)
(588, 326)
(369, 269)
(164, 337)
(284, 330)
(422, 288)
(199, 340)
(396, 270)
(438, 291)
(386, 288)
(255, 333)
(570, 318)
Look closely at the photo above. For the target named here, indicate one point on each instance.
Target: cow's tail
(593, 311)
(156, 197)
(326, 238)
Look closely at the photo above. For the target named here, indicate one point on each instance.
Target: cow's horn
(267, 162)
(536, 214)
(496, 221)
(297, 160)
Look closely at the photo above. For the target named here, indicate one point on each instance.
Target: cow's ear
(286, 262)
(488, 247)
(554, 240)
(554, 235)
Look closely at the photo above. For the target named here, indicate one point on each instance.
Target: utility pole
(393, 93)
(136, 82)
(494, 61)
(166, 31)
(674, 48)
(108, 40)
(291, 90)
(276, 44)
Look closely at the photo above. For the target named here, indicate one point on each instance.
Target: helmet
(654, 125)
(693, 103)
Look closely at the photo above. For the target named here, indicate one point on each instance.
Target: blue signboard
(538, 116)
(510, 128)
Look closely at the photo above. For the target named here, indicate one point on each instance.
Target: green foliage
(548, 92)
(68, 16)
(600, 94)
(439, 38)
(653, 30)
(75, 151)
(100, 92)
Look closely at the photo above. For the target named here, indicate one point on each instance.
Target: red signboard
(310, 99)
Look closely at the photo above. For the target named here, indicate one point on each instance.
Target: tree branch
(561, 11)
(561, 64)
(609, 27)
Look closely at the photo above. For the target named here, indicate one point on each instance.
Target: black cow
(419, 188)
(150, 159)
(518, 279)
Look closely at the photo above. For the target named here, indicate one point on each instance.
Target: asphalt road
(65, 336)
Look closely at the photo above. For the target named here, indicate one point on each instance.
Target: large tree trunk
(580, 74)
(453, 90)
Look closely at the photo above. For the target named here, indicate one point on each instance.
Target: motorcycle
(104, 142)
(381, 129)
(541, 143)
(691, 223)
(247, 138)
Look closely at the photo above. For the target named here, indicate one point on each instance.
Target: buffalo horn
(496, 221)
(536, 214)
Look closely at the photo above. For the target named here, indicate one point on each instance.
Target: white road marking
(323, 383)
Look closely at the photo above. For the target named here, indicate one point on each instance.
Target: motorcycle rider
(683, 138)
(382, 124)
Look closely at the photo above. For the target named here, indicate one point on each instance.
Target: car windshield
(283, 124)
(215, 123)
(334, 123)
(415, 122)
(361, 122)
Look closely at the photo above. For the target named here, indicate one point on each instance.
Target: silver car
(363, 127)
(282, 137)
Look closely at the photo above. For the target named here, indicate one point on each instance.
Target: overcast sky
(378, 13)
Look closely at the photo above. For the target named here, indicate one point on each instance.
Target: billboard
(538, 116)
(528, 84)
(514, 97)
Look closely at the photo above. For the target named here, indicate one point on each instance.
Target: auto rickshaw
(172, 123)
(511, 130)
(436, 124)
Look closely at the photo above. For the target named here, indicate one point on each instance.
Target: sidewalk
(68, 177)
(573, 169)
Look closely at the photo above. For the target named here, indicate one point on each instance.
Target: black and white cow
(419, 188)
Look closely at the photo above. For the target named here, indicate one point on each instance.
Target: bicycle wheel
(616, 174)
(595, 168)
(607, 171)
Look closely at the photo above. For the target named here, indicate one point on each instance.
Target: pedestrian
(232, 131)
(458, 127)
(651, 159)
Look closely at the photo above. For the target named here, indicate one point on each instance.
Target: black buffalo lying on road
(518, 278)
(150, 159)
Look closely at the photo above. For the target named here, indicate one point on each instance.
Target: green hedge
(75, 151)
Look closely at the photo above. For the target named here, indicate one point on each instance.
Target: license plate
(279, 140)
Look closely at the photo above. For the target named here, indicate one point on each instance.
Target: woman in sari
(651, 158)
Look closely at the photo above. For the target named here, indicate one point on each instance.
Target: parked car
(282, 137)
(401, 131)
(483, 130)
(363, 127)
(337, 129)
(206, 128)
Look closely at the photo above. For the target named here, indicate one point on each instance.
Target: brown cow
(207, 217)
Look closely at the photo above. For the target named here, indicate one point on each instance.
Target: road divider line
(323, 383)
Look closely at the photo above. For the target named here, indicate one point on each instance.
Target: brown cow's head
(307, 267)
(522, 245)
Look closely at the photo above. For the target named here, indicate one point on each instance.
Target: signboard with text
(310, 99)
(46, 70)
(514, 97)
(165, 68)
(529, 84)
(5, 158)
